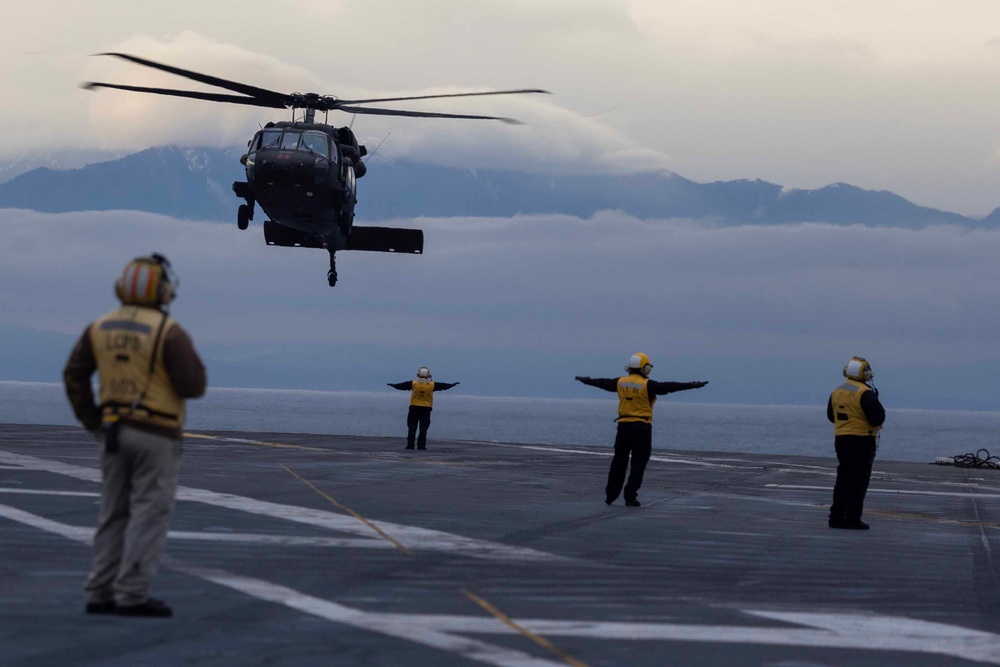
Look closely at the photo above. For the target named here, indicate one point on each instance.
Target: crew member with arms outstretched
(147, 366)
(421, 403)
(636, 396)
(857, 417)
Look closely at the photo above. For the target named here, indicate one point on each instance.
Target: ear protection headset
(424, 372)
(147, 281)
(858, 369)
(639, 362)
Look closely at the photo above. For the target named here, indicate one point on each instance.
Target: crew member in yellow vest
(421, 404)
(857, 417)
(636, 396)
(147, 366)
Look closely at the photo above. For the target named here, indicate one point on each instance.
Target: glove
(701, 384)
(582, 378)
(389, 384)
(875, 391)
(456, 384)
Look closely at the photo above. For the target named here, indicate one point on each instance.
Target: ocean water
(910, 435)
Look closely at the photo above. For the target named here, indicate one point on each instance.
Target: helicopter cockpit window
(290, 141)
(270, 139)
(316, 142)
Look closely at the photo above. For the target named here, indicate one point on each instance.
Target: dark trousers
(855, 455)
(418, 415)
(634, 439)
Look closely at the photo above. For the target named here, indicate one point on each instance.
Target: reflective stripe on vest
(122, 342)
(634, 402)
(422, 393)
(848, 416)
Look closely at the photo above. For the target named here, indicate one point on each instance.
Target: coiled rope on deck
(981, 459)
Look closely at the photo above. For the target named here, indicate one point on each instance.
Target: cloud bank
(518, 306)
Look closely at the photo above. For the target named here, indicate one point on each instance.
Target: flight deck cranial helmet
(424, 372)
(147, 281)
(858, 369)
(639, 363)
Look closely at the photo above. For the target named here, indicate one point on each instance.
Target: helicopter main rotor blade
(236, 87)
(434, 97)
(423, 114)
(211, 97)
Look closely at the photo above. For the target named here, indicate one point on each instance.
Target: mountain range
(196, 183)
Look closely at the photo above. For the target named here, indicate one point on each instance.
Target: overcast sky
(884, 94)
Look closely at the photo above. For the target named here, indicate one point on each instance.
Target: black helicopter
(304, 173)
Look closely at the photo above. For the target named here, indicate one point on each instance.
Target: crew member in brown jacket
(147, 366)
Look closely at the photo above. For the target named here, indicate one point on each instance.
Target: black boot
(151, 608)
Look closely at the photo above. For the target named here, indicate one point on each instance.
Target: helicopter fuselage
(303, 175)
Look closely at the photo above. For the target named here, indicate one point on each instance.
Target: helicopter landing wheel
(243, 216)
(331, 275)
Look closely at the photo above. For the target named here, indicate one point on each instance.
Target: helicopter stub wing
(386, 239)
(371, 239)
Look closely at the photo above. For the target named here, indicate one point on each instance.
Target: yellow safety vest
(422, 393)
(848, 417)
(123, 344)
(634, 402)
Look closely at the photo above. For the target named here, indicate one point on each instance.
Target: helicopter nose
(285, 170)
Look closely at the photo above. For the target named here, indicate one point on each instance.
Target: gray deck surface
(291, 549)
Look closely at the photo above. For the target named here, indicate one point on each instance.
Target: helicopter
(303, 173)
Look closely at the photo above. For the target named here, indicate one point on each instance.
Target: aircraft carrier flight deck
(293, 550)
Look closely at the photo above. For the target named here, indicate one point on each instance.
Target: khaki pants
(137, 500)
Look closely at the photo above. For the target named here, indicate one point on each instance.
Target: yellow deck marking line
(347, 509)
(508, 621)
(243, 441)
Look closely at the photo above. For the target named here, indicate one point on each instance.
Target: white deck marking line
(263, 590)
(413, 537)
(984, 540)
(857, 631)
(605, 454)
(472, 649)
(280, 540)
(49, 492)
(521, 630)
(868, 632)
(541, 641)
(49, 526)
(388, 538)
(86, 534)
(785, 467)
(904, 492)
(245, 441)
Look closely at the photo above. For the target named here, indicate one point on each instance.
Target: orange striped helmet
(146, 281)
